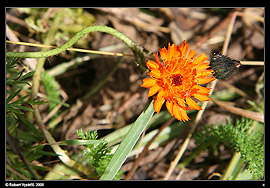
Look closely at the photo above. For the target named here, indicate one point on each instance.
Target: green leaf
(11, 63)
(21, 100)
(127, 144)
(12, 95)
(27, 75)
(14, 111)
(20, 107)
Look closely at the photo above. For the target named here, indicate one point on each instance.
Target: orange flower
(176, 80)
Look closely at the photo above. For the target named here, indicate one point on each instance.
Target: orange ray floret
(176, 79)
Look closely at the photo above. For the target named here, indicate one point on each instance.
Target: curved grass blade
(127, 144)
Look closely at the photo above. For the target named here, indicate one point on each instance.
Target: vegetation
(75, 113)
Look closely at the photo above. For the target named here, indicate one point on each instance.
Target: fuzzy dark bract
(223, 66)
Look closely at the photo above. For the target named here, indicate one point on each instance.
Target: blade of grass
(127, 144)
(232, 165)
(118, 135)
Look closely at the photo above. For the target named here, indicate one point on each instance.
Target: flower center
(177, 79)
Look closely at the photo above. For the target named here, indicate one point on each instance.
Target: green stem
(137, 50)
(231, 167)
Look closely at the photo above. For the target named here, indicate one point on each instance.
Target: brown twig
(239, 111)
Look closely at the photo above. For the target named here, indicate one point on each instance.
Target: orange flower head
(177, 79)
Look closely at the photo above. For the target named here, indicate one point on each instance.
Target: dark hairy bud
(223, 66)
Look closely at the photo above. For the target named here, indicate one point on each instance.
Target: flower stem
(137, 50)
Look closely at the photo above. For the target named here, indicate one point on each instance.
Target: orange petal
(179, 113)
(181, 102)
(164, 54)
(173, 51)
(200, 59)
(153, 90)
(169, 105)
(203, 66)
(152, 65)
(148, 82)
(184, 48)
(157, 59)
(191, 54)
(202, 90)
(159, 101)
(155, 73)
(171, 54)
(204, 80)
(192, 104)
(184, 114)
(201, 97)
(176, 112)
